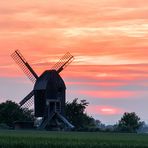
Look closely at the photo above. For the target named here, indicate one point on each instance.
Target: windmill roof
(49, 77)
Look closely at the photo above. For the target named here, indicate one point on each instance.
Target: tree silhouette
(75, 112)
(10, 112)
(130, 122)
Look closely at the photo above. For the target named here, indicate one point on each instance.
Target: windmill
(48, 94)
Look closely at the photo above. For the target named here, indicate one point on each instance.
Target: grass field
(39, 139)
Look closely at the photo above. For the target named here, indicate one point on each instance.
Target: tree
(75, 113)
(130, 122)
(10, 112)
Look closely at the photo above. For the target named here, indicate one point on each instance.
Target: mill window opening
(55, 106)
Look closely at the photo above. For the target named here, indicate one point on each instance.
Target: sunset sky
(109, 39)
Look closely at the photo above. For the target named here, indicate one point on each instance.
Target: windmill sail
(63, 62)
(26, 100)
(29, 103)
(23, 64)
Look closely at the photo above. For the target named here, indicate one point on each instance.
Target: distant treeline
(74, 112)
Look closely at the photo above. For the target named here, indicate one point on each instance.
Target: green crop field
(40, 139)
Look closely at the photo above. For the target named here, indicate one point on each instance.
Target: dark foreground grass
(40, 139)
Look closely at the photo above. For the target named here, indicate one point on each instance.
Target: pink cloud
(104, 110)
(118, 94)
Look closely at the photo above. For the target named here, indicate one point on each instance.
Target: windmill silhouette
(48, 94)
